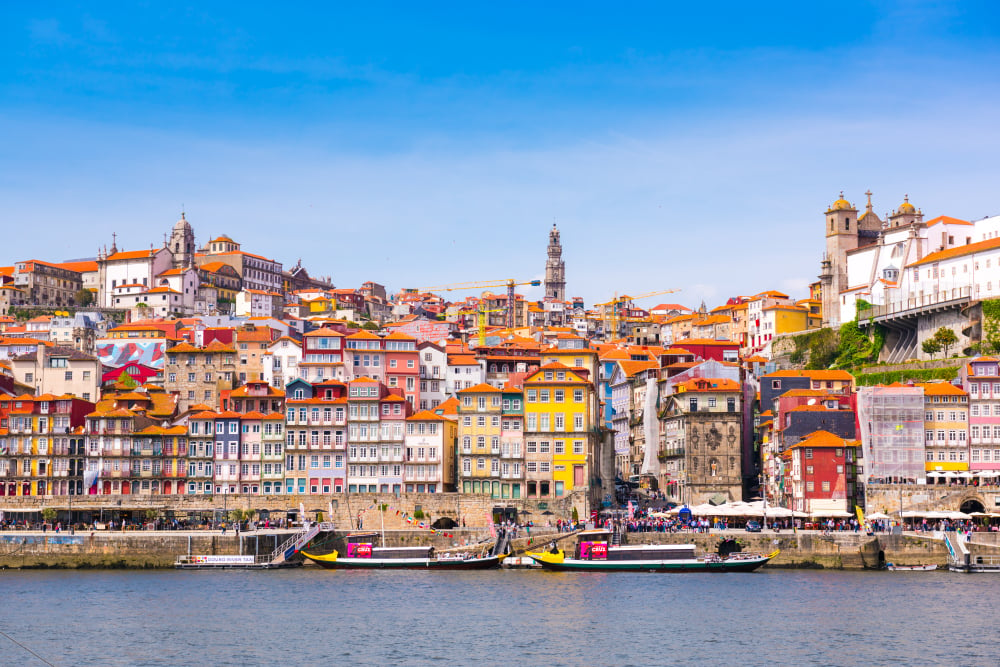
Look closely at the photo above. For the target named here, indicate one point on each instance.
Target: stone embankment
(159, 549)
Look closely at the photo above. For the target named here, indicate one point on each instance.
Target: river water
(311, 617)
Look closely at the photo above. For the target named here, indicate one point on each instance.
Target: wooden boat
(594, 552)
(363, 554)
(910, 568)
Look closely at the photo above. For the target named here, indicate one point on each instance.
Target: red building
(322, 355)
(821, 475)
(706, 348)
(402, 363)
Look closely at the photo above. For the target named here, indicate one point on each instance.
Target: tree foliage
(931, 346)
(857, 346)
(991, 327)
(945, 337)
(83, 297)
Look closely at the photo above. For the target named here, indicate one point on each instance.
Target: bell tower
(841, 221)
(181, 244)
(555, 269)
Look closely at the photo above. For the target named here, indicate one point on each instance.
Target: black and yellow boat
(363, 554)
(595, 553)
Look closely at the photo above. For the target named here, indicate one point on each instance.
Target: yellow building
(479, 428)
(946, 428)
(558, 435)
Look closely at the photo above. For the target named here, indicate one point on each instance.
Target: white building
(138, 267)
(281, 362)
(464, 371)
(258, 303)
(433, 373)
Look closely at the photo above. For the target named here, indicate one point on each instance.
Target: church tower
(181, 244)
(841, 235)
(555, 269)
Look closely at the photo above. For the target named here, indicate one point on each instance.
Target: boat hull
(488, 563)
(911, 568)
(578, 565)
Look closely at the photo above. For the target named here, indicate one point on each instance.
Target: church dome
(906, 206)
(182, 223)
(841, 204)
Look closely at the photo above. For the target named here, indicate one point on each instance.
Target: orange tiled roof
(480, 388)
(958, 251)
(813, 375)
(824, 439)
(948, 220)
(941, 389)
(132, 254)
(708, 384)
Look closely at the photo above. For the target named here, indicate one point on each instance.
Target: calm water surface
(313, 617)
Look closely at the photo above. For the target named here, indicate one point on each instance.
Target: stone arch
(972, 504)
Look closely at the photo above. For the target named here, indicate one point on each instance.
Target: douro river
(312, 617)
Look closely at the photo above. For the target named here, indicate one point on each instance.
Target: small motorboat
(910, 568)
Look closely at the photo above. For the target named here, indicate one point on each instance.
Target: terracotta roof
(941, 389)
(824, 439)
(708, 385)
(86, 266)
(630, 368)
(364, 335)
(813, 375)
(449, 407)
(947, 220)
(958, 251)
(132, 254)
(480, 388)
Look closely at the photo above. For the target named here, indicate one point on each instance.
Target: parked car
(753, 526)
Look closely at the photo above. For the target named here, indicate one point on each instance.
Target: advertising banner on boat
(359, 551)
(594, 550)
(223, 560)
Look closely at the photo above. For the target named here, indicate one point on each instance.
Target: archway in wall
(972, 505)
(444, 522)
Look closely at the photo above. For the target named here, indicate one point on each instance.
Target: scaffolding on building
(891, 425)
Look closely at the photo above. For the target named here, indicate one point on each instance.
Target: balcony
(674, 453)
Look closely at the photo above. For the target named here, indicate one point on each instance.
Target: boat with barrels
(595, 552)
(363, 552)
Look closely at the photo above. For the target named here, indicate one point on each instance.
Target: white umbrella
(778, 512)
(800, 515)
(909, 514)
(878, 516)
(958, 516)
(831, 514)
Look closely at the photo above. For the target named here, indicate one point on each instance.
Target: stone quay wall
(472, 511)
(159, 549)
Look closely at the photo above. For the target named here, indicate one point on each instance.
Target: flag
(631, 510)
(861, 514)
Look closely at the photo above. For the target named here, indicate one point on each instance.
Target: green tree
(945, 337)
(49, 515)
(369, 326)
(83, 297)
(931, 346)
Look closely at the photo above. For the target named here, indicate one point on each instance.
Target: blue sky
(675, 146)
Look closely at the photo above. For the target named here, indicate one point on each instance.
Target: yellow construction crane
(510, 284)
(617, 304)
(481, 314)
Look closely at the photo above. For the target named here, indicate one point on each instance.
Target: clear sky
(676, 145)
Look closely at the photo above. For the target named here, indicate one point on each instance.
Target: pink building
(981, 378)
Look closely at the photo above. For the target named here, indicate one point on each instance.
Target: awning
(830, 514)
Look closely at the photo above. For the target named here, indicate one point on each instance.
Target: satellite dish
(812, 401)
